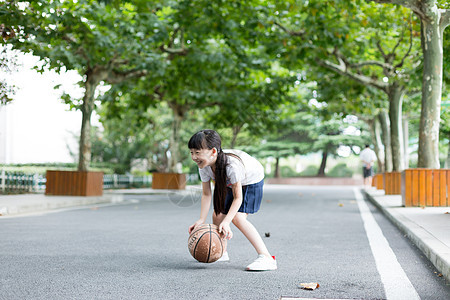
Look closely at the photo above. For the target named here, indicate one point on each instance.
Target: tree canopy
(247, 68)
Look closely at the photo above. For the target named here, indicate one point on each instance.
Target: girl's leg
(250, 232)
(217, 219)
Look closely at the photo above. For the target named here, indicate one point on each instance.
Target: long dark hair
(208, 139)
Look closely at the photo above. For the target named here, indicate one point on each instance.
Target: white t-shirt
(248, 171)
(367, 156)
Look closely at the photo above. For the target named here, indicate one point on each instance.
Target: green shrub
(287, 171)
(310, 170)
(340, 170)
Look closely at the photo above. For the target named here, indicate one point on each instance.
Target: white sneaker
(224, 257)
(263, 263)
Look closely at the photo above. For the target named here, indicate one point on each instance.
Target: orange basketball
(205, 243)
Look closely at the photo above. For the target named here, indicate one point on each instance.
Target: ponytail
(220, 187)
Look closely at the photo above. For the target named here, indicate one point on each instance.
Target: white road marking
(396, 284)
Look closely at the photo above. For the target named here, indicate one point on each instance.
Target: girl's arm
(205, 205)
(224, 227)
(206, 200)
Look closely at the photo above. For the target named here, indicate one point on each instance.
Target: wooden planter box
(392, 183)
(378, 182)
(426, 187)
(74, 183)
(169, 181)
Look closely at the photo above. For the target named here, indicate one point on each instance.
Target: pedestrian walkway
(427, 227)
(24, 204)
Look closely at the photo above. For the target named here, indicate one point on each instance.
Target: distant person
(368, 157)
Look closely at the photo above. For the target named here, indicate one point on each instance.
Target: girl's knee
(239, 220)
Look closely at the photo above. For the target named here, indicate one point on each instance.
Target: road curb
(436, 251)
(49, 203)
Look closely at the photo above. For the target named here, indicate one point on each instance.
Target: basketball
(205, 243)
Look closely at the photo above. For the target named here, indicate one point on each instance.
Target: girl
(238, 189)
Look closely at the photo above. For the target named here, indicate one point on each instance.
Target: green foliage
(340, 170)
(287, 172)
(248, 67)
(8, 64)
(41, 168)
(310, 170)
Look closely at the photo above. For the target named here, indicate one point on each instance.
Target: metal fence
(115, 181)
(16, 182)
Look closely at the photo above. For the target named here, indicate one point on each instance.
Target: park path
(138, 250)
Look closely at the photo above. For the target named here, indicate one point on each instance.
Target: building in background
(5, 135)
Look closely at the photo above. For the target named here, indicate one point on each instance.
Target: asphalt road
(138, 250)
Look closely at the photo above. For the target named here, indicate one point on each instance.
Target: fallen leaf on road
(267, 234)
(309, 286)
(340, 204)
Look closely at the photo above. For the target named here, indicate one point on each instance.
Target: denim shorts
(367, 172)
(251, 198)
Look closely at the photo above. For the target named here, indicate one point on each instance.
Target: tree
(137, 133)
(7, 65)
(293, 137)
(104, 43)
(8, 60)
(366, 103)
(211, 70)
(380, 56)
(254, 101)
(434, 18)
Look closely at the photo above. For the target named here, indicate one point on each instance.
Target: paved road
(138, 250)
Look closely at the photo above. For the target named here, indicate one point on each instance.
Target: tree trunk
(385, 130)
(277, 168)
(447, 162)
(236, 130)
(406, 142)
(174, 146)
(395, 117)
(432, 39)
(323, 164)
(375, 131)
(86, 109)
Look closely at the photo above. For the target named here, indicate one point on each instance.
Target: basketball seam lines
(210, 240)
(201, 227)
(198, 241)
(221, 245)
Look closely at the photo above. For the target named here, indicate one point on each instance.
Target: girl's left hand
(225, 229)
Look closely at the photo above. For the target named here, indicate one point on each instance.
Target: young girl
(239, 180)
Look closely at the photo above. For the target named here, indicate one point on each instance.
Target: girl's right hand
(192, 227)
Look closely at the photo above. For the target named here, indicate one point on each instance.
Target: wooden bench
(426, 187)
(392, 183)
